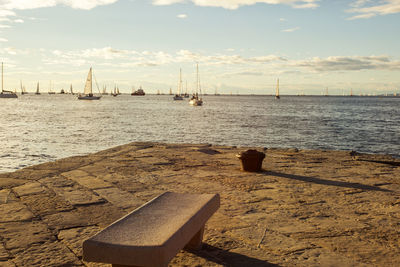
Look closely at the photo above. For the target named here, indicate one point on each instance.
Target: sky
(241, 46)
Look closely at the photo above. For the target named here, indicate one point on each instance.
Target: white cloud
(32, 4)
(368, 8)
(19, 21)
(3, 40)
(350, 63)
(235, 4)
(128, 58)
(291, 29)
(182, 16)
(4, 26)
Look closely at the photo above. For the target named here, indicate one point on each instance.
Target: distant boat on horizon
(37, 89)
(87, 92)
(138, 91)
(5, 93)
(51, 92)
(277, 90)
(178, 95)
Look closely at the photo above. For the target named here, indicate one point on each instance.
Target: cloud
(291, 29)
(130, 58)
(350, 63)
(19, 21)
(3, 40)
(235, 4)
(32, 4)
(182, 16)
(368, 8)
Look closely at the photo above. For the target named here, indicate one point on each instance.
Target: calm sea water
(36, 129)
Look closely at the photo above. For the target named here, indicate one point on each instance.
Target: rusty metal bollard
(251, 160)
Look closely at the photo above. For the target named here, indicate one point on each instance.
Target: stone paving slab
(78, 196)
(14, 212)
(119, 198)
(30, 188)
(46, 254)
(86, 180)
(4, 195)
(24, 234)
(47, 203)
(101, 214)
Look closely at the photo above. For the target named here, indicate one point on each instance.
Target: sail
(88, 85)
(277, 89)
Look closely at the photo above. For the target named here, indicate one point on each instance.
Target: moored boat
(5, 93)
(87, 93)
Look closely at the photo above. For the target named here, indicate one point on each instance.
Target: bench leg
(196, 242)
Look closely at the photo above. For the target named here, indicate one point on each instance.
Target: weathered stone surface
(4, 195)
(14, 212)
(85, 179)
(4, 256)
(102, 215)
(10, 182)
(119, 198)
(74, 237)
(30, 188)
(46, 254)
(23, 234)
(48, 203)
(77, 196)
(320, 208)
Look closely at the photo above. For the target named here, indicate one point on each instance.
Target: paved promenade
(307, 208)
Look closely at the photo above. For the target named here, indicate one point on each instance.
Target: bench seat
(155, 232)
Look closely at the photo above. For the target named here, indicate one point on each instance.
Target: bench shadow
(326, 182)
(228, 258)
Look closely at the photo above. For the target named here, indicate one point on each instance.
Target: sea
(42, 128)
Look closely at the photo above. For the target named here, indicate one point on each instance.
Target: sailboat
(70, 89)
(87, 93)
(195, 100)
(4, 93)
(115, 91)
(37, 89)
(51, 92)
(277, 91)
(23, 91)
(178, 95)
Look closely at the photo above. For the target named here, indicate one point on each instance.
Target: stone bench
(154, 233)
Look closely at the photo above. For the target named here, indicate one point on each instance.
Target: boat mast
(277, 88)
(180, 82)
(197, 75)
(2, 77)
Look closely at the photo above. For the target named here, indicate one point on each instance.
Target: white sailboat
(277, 90)
(37, 89)
(70, 89)
(178, 95)
(88, 93)
(5, 93)
(195, 100)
